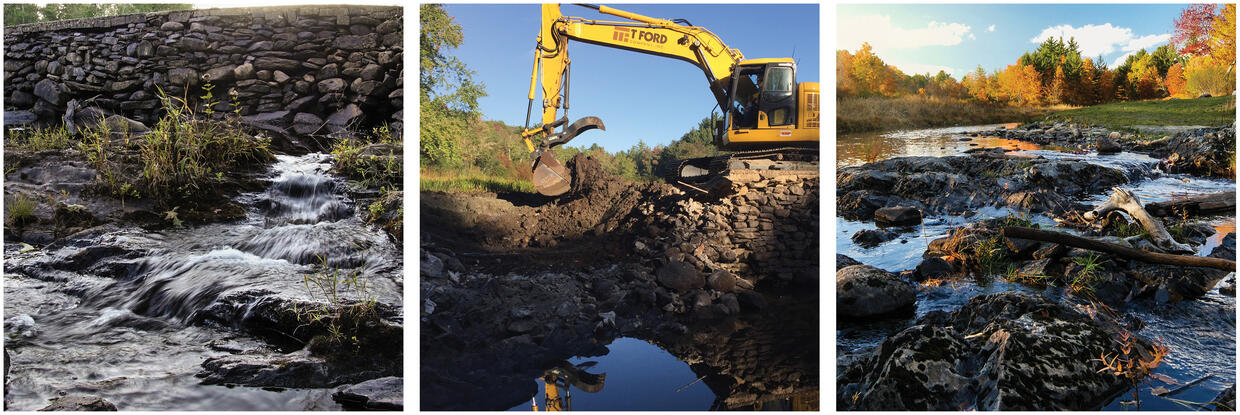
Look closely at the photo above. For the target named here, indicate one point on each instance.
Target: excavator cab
(765, 106)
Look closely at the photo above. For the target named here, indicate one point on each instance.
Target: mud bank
(512, 286)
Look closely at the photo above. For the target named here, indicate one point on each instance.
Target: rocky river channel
(933, 318)
(199, 316)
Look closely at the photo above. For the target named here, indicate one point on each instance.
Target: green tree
(447, 92)
(15, 14)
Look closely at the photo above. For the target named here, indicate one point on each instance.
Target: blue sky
(957, 37)
(638, 96)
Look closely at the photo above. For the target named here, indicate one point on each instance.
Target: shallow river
(132, 327)
(1200, 334)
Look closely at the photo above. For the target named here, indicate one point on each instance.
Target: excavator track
(712, 174)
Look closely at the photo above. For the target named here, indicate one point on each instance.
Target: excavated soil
(592, 226)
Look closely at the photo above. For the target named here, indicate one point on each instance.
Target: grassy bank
(908, 112)
(471, 181)
(1212, 111)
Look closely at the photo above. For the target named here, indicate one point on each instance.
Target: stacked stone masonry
(767, 228)
(302, 69)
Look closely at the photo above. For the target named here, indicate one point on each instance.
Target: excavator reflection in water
(560, 380)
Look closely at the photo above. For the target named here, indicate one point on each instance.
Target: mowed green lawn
(1213, 111)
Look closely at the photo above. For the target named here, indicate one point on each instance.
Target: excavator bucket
(550, 177)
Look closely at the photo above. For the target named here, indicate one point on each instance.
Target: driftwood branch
(1118, 250)
(1124, 200)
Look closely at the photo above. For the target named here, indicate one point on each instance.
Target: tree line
(23, 13)
(1200, 59)
(455, 137)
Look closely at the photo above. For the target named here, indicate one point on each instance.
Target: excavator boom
(677, 39)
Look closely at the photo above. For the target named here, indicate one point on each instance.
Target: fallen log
(1118, 250)
(1196, 205)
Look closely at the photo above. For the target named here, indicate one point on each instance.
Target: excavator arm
(642, 34)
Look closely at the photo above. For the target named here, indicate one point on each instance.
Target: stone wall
(766, 228)
(304, 69)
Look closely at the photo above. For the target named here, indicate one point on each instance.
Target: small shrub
(1210, 79)
(20, 210)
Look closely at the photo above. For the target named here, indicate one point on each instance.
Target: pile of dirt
(594, 222)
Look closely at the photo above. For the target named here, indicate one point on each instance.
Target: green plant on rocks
(39, 139)
(182, 155)
(1089, 275)
(991, 255)
(371, 161)
(20, 210)
(341, 320)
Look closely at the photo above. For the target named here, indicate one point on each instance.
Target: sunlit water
(130, 330)
(1200, 333)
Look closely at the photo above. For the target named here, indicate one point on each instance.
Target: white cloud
(1103, 39)
(991, 28)
(1147, 42)
(1120, 60)
(883, 36)
(971, 37)
(1093, 39)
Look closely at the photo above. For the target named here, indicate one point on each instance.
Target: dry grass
(878, 114)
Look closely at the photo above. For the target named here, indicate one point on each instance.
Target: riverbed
(1199, 333)
(130, 315)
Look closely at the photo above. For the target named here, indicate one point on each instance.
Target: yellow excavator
(767, 114)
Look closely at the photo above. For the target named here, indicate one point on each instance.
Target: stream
(130, 315)
(1200, 334)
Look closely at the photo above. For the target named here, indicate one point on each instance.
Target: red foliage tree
(1192, 29)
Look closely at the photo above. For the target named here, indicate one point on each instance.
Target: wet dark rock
(306, 123)
(680, 276)
(1176, 283)
(897, 216)
(1226, 248)
(1107, 145)
(957, 184)
(1022, 248)
(383, 394)
(294, 370)
(865, 291)
(869, 238)
(1204, 152)
(1226, 400)
(80, 403)
(842, 261)
(933, 267)
(1050, 250)
(994, 353)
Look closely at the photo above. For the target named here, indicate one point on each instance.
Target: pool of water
(638, 376)
(1200, 334)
